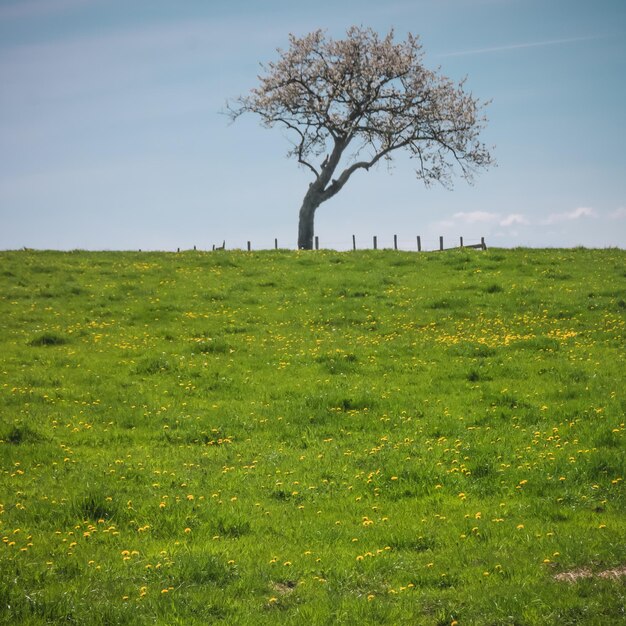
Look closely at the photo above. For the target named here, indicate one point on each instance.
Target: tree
(349, 103)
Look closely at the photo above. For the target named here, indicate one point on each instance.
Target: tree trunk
(305, 224)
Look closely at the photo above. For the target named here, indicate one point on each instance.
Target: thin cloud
(619, 214)
(514, 219)
(519, 46)
(486, 217)
(475, 216)
(568, 216)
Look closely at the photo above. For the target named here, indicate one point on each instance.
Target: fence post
(419, 243)
(317, 242)
(441, 243)
(375, 243)
(395, 242)
(461, 242)
(354, 242)
(275, 244)
(248, 246)
(482, 242)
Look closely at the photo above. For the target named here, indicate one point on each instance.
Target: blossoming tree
(350, 103)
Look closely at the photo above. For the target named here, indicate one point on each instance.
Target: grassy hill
(313, 437)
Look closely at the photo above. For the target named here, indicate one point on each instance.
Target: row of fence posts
(482, 245)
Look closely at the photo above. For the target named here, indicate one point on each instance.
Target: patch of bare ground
(577, 574)
(284, 588)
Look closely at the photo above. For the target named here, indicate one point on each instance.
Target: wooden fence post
(419, 243)
(354, 242)
(441, 243)
(482, 242)
(317, 242)
(375, 243)
(461, 242)
(275, 244)
(395, 242)
(249, 246)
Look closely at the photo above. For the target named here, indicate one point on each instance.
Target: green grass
(312, 437)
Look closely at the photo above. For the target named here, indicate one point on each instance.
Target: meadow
(279, 437)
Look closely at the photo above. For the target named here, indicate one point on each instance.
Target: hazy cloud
(486, 217)
(567, 216)
(513, 219)
(38, 8)
(475, 216)
(619, 214)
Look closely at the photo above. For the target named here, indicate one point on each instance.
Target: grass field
(313, 437)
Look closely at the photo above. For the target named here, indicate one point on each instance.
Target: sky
(113, 134)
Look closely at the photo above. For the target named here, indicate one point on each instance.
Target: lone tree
(350, 103)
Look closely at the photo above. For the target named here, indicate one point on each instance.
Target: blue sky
(112, 134)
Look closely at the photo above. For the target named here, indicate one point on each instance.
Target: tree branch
(337, 184)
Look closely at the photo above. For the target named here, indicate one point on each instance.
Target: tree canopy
(349, 103)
